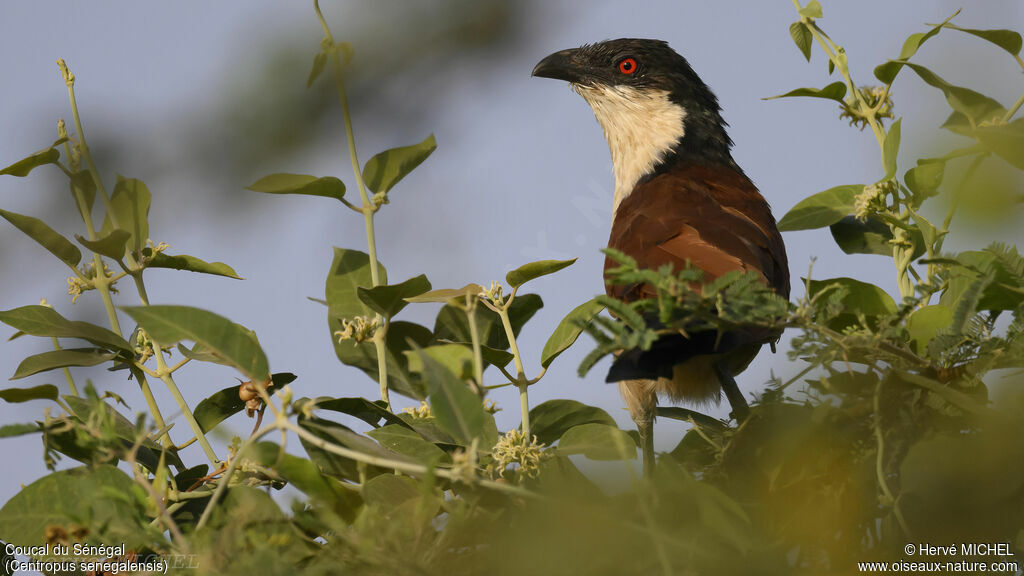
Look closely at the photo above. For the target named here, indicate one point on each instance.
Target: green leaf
(36, 229)
(391, 493)
(924, 180)
(344, 436)
(1006, 39)
(304, 475)
(975, 106)
(495, 357)
(860, 298)
(84, 183)
(192, 264)
(45, 321)
(973, 267)
(449, 294)
(62, 359)
(389, 300)
(93, 409)
(457, 409)
(834, 91)
(14, 430)
(527, 272)
(1006, 141)
(232, 342)
(226, 403)
(130, 202)
(201, 353)
(568, 330)
(887, 72)
(328, 186)
(429, 429)
(386, 169)
(452, 324)
(318, 66)
(822, 209)
(69, 497)
(370, 412)
(350, 269)
(22, 167)
(871, 236)
(802, 38)
(812, 10)
(17, 395)
(405, 441)
(551, 419)
(218, 407)
(891, 149)
(686, 415)
(112, 245)
(457, 358)
(340, 466)
(598, 442)
(925, 323)
(928, 232)
(854, 236)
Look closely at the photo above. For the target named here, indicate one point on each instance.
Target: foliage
(886, 436)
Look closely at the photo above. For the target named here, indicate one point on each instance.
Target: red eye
(627, 66)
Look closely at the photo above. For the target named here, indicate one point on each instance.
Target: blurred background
(200, 99)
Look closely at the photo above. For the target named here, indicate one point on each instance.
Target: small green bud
(66, 74)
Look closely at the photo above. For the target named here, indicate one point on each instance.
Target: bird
(680, 198)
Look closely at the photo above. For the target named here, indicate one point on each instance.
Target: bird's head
(652, 106)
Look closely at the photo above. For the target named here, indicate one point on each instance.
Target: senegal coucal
(679, 197)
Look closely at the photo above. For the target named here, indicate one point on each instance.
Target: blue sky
(521, 171)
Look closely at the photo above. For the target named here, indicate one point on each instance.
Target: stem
(368, 208)
(901, 254)
(474, 336)
(524, 409)
(101, 282)
(154, 409)
(398, 466)
(165, 375)
(380, 342)
(832, 51)
(83, 147)
(1016, 106)
(521, 383)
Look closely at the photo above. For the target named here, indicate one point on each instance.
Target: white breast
(641, 126)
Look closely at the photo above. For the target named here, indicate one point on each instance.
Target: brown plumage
(712, 216)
